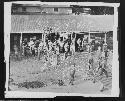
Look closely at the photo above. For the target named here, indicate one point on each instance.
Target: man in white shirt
(61, 44)
(99, 52)
(72, 47)
(50, 45)
(31, 45)
(66, 47)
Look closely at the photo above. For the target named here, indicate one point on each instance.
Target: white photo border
(22, 94)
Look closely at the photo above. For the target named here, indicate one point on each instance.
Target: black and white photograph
(61, 49)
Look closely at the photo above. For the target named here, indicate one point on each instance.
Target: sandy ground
(32, 70)
(84, 88)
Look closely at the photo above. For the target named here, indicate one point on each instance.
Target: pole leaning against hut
(21, 45)
(105, 37)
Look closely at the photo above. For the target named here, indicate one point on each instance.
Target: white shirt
(66, 45)
(65, 36)
(41, 44)
(16, 50)
(50, 45)
(30, 43)
(61, 44)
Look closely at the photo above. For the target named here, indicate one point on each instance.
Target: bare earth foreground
(43, 79)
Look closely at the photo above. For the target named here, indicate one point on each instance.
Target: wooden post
(42, 36)
(89, 42)
(105, 38)
(21, 45)
(71, 35)
(89, 38)
(75, 43)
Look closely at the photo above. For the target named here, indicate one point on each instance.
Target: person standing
(66, 47)
(61, 45)
(24, 45)
(99, 52)
(40, 48)
(49, 45)
(57, 53)
(72, 74)
(91, 61)
(78, 42)
(104, 76)
(30, 44)
(72, 47)
(16, 51)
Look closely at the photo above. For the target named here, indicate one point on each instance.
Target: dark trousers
(104, 71)
(72, 77)
(33, 52)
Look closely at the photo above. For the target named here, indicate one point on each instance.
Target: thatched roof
(82, 23)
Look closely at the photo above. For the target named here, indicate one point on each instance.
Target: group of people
(52, 44)
(49, 47)
(101, 72)
(55, 46)
(61, 46)
(84, 44)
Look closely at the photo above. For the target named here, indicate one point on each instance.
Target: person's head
(25, 39)
(34, 38)
(15, 46)
(108, 50)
